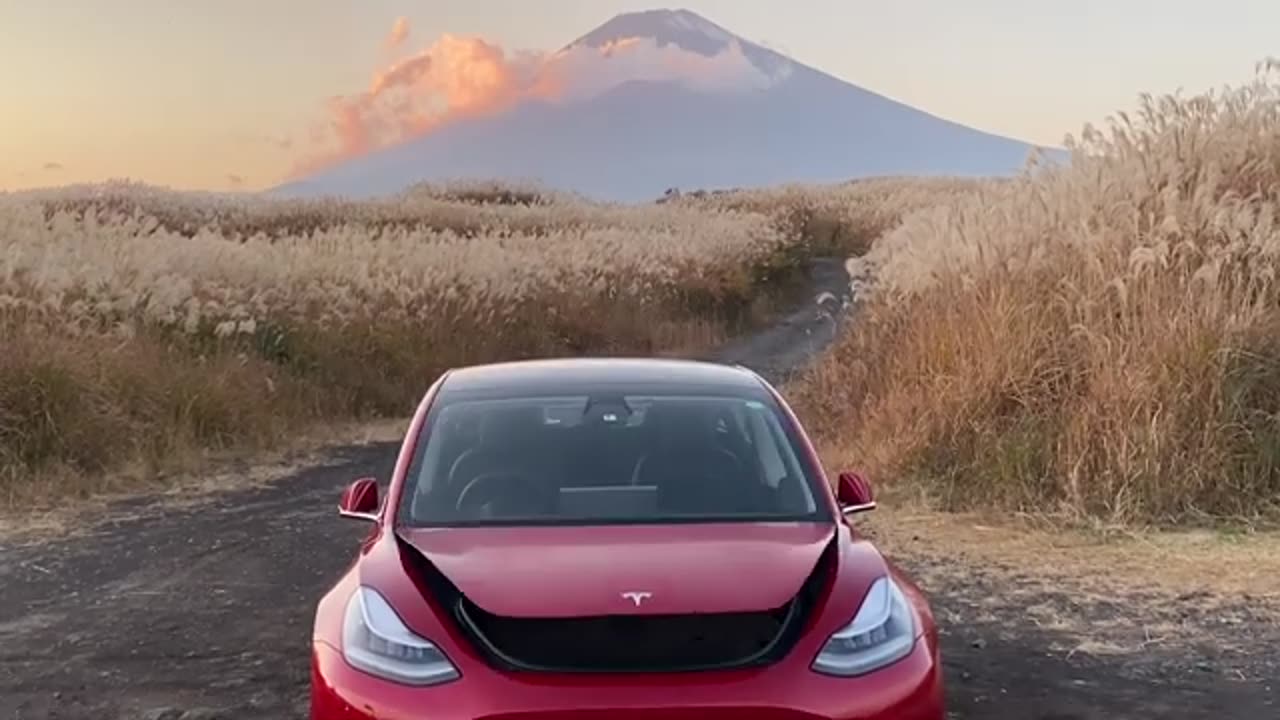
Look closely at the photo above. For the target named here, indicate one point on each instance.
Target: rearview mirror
(360, 500)
(853, 492)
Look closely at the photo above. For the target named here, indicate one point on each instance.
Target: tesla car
(617, 538)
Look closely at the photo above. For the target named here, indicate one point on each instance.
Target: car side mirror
(360, 500)
(853, 492)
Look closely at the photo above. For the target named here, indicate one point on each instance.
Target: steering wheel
(530, 494)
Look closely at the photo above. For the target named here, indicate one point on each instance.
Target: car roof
(601, 374)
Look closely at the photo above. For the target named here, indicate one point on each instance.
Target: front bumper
(910, 689)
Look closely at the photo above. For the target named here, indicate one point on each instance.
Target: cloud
(455, 77)
(399, 33)
(53, 166)
(458, 78)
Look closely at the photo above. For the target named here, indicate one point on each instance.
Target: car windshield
(601, 460)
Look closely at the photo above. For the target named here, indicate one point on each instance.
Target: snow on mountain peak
(681, 28)
(684, 30)
(686, 21)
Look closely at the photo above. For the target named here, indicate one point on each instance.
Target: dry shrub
(491, 192)
(71, 408)
(840, 219)
(1099, 340)
(467, 210)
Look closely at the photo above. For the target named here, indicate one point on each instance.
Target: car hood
(630, 569)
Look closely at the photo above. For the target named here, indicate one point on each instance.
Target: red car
(617, 538)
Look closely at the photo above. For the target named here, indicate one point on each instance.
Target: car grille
(632, 643)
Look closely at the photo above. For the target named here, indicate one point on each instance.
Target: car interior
(607, 459)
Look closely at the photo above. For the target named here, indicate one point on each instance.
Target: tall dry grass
(141, 326)
(842, 219)
(1100, 340)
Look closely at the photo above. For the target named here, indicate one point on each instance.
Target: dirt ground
(199, 604)
(1049, 624)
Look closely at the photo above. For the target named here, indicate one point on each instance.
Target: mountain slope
(635, 140)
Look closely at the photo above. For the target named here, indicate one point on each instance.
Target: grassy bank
(1100, 341)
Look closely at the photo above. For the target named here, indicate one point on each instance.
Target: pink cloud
(457, 78)
(399, 33)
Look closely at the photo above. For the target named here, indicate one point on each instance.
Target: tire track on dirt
(204, 611)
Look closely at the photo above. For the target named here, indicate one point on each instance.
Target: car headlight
(375, 640)
(883, 632)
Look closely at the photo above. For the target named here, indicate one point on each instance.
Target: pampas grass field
(142, 326)
(1098, 341)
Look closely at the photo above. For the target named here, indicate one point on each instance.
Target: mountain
(683, 29)
(743, 115)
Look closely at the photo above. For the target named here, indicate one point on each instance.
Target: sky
(230, 94)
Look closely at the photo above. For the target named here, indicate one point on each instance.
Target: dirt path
(203, 610)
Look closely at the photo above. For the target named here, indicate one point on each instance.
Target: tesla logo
(637, 597)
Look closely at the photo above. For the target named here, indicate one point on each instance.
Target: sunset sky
(229, 94)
